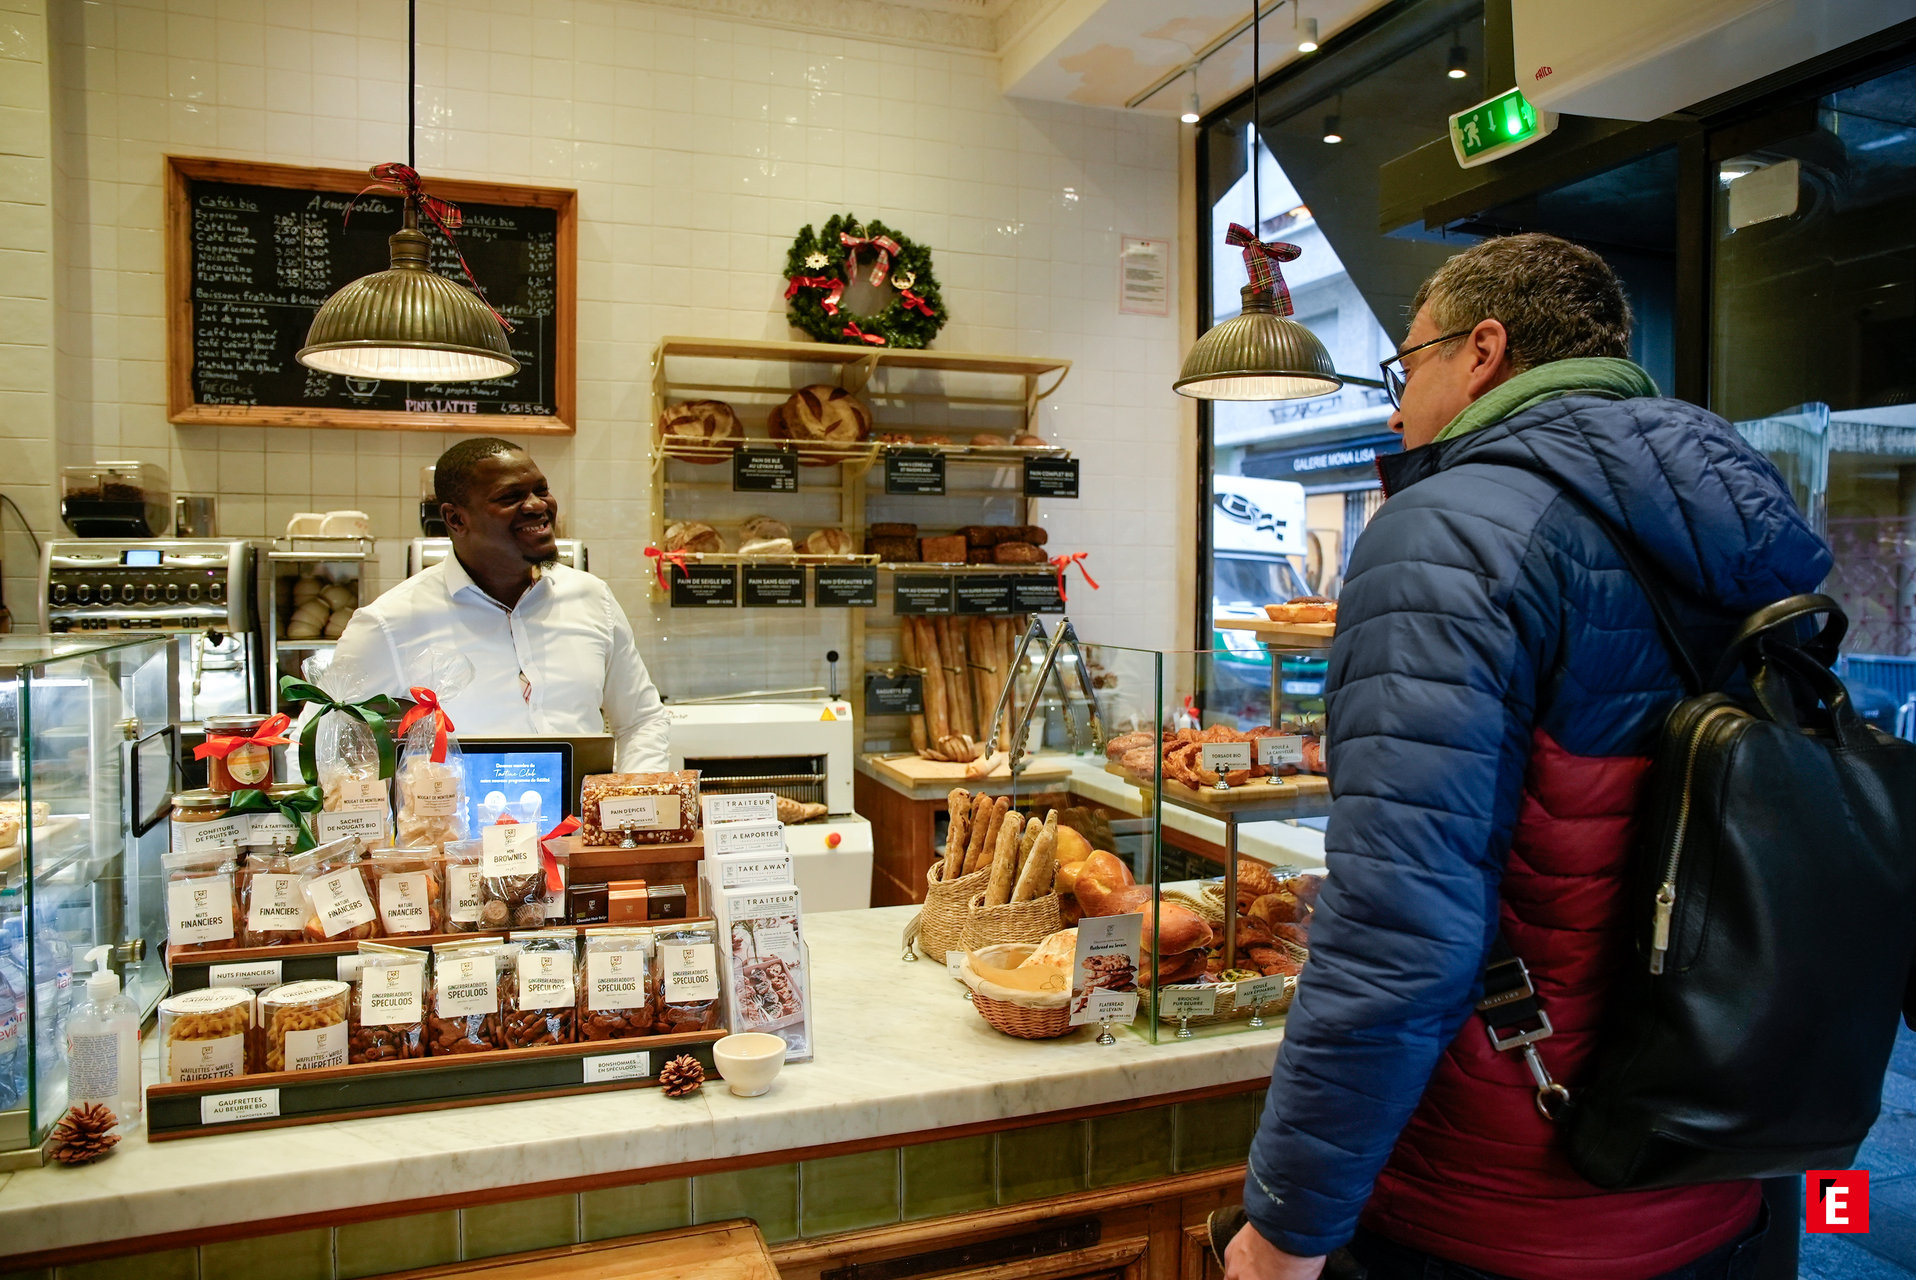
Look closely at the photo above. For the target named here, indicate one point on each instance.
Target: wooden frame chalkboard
(231, 335)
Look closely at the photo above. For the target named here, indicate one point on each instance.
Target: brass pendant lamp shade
(408, 323)
(1258, 355)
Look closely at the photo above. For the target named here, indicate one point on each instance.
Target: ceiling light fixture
(1457, 66)
(1331, 133)
(1306, 33)
(1191, 113)
(1260, 354)
(409, 323)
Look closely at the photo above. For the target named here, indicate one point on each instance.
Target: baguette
(982, 651)
(959, 803)
(980, 856)
(1007, 642)
(908, 644)
(957, 653)
(1026, 839)
(1004, 862)
(1034, 878)
(975, 835)
(938, 724)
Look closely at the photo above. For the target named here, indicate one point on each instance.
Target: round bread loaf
(986, 440)
(1017, 553)
(824, 414)
(828, 542)
(691, 535)
(763, 529)
(1029, 441)
(701, 420)
(766, 547)
(1036, 535)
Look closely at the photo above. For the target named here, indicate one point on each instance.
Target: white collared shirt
(560, 661)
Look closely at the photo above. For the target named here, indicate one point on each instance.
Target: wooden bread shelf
(1308, 791)
(1296, 635)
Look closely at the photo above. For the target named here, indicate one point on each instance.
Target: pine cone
(83, 1135)
(681, 1076)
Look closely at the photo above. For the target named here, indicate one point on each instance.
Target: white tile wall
(698, 146)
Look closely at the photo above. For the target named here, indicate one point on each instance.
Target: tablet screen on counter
(514, 768)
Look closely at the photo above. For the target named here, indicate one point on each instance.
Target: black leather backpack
(1773, 898)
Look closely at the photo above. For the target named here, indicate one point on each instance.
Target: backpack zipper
(1666, 892)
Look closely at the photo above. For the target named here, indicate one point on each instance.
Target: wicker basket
(1037, 1017)
(1031, 921)
(940, 923)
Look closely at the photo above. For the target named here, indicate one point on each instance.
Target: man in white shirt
(551, 651)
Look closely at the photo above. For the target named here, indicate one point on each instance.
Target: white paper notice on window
(1144, 276)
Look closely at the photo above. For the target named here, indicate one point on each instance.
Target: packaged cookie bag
(513, 887)
(542, 1006)
(466, 998)
(614, 1000)
(346, 750)
(388, 1020)
(431, 781)
(685, 979)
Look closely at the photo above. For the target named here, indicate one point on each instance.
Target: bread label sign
(773, 586)
(764, 471)
(1286, 749)
(917, 472)
(705, 586)
(845, 587)
(984, 593)
(1051, 477)
(894, 695)
(1176, 1002)
(1222, 757)
(1258, 992)
(1104, 966)
(921, 593)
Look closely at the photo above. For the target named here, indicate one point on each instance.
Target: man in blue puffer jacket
(1496, 686)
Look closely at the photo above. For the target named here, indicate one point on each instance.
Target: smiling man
(551, 650)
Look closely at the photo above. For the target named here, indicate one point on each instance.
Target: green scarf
(1604, 376)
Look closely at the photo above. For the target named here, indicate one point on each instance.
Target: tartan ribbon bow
(297, 807)
(915, 302)
(856, 334)
(426, 703)
(1061, 563)
(664, 558)
(887, 250)
(834, 290)
(565, 828)
(443, 214)
(1262, 260)
(271, 733)
(374, 712)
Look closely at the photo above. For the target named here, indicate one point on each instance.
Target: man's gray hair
(1556, 300)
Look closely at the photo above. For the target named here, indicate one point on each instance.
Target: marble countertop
(898, 1052)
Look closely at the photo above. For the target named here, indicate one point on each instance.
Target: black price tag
(919, 472)
(705, 586)
(1051, 477)
(985, 593)
(1033, 593)
(845, 587)
(767, 471)
(775, 586)
(899, 695)
(921, 593)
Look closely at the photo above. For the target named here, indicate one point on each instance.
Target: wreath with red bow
(823, 264)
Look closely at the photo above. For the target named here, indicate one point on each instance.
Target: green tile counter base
(913, 1109)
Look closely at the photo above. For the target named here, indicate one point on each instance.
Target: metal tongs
(1065, 635)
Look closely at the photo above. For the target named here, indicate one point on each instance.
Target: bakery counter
(913, 1109)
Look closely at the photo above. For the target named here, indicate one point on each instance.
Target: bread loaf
(986, 440)
(1017, 553)
(982, 535)
(691, 535)
(979, 555)
(1036, 535)
(894, 529)
(823, 414)
(893, 550)
(700, 420)
(763, 528)
(958, 803)
(947, 550)
(1004, 862)
(1029, 441)
(767, 547)
(982, 812)
(828, 542)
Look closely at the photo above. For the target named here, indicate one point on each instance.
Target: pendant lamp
(1262, 354)
(409, 323)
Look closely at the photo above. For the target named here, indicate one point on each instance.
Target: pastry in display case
(87, 748)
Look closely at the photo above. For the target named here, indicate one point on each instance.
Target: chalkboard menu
(254, 249)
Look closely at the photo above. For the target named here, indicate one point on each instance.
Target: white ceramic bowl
(749, 1061)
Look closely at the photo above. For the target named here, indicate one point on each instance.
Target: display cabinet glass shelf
(87, 747)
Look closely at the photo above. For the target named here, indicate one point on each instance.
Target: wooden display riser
(422, 1084)
(1309, 792)
(1283, 635)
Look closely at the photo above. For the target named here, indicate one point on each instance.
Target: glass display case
(87, 742)
(1215, 811)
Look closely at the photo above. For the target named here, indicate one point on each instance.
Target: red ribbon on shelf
(271, 733)
(834, 290)
(913, 302)
(852, 330)
(1061, 563)
(443, 214)
(664, 558)
(426, 703)
(553, 883)
(887, 250)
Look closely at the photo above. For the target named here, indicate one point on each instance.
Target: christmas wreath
(823, 264)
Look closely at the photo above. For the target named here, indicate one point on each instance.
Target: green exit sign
(1497, 127)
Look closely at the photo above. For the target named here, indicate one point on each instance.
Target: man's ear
(455, 518)
(1488, 351)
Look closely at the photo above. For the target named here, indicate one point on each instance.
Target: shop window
(1814, 347)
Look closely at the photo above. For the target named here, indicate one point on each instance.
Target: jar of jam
(243, 765)
(201, 821)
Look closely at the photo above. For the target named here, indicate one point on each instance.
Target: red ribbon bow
(886, 246)
(664, 558)
(1261, 261)
(443, 214)
(426, 703)
(834, 290)
(857, 334)
(913, 301)
(271, 733)
(554, 885)
(1061, 563)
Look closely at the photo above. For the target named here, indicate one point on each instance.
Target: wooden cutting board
(916, 771)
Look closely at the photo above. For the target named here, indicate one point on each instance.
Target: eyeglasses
(1394, 375)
